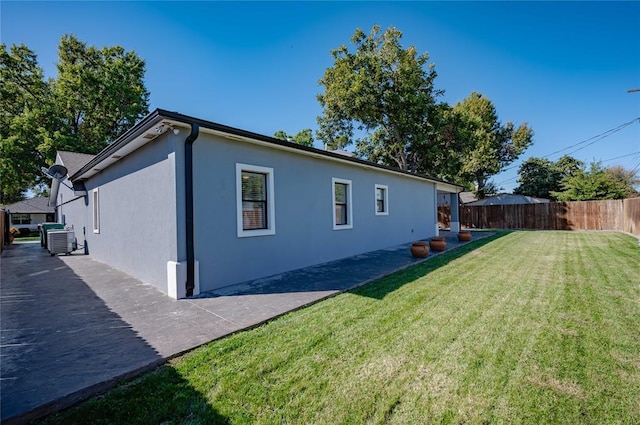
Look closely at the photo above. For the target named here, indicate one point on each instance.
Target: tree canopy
(541, 177)
(303, 137)
(597, 183)
(96, 96)
(488, 145)
(380, 96)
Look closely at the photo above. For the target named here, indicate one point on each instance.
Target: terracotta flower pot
(464, 235)
(419, 249)
(438, 244)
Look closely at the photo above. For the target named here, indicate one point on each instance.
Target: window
(255, 205)
(96, 211)
(342, 211)
(20, 219)
(382, 200)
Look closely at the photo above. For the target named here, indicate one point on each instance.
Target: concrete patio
(72, 327)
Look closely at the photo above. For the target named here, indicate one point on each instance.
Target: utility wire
(635, 165)
(622, 156)
(597, 137)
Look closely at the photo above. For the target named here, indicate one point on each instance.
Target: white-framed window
(95, 201)
(382, 199)
(342, 204)
(255, 201)
(20, 218)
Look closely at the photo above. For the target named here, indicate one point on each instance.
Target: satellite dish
(58, 172)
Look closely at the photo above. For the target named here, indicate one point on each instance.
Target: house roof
(466, 197)
(160, 121)
(74, 161)
(39, 205)
(508, 199)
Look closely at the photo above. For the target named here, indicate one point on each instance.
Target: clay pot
(419, 249)
(438, 244)
(464, 235)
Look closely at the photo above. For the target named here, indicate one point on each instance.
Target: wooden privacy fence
(4, 228)
(619, 214)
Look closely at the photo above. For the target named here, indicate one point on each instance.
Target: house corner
(177, 278)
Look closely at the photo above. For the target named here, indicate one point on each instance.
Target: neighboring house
(26, 215)
(189, 205)
(508, 199)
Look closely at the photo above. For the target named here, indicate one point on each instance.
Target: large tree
(381, 96)
(489, 145)
(541, 177)
(25, 121)
(96, 96)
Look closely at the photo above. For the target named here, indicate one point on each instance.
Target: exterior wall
(73, 213)
(137, 212)
(303, 212)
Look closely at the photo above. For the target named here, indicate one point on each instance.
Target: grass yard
(528, 327)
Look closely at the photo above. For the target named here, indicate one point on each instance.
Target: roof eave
(137, 133)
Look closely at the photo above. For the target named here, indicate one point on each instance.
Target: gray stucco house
(189, 205)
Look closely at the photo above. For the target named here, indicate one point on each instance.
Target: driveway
(71, 326)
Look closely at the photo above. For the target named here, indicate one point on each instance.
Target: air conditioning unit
(61, 241)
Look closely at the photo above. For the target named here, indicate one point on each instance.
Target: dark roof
(508, 199)
(38, 205)
(74, 161)
(157, 115)
(466, 197)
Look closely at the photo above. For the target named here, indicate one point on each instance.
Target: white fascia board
(448, 187)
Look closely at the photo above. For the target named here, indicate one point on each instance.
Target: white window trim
(349, 224)
(95, 201)
(271, 210)
(386, 199)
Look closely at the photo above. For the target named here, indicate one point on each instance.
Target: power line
(598, 137)
(635, 165)
(622, 156)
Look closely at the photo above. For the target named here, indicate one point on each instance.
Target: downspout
(188, 183)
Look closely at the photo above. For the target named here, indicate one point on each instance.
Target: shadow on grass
(384, 286)
(173, 400)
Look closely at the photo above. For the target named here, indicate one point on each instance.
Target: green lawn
(527, 327)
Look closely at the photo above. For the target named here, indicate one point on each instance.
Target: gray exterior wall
(138, 213)
(303, 212)
(142, 211)
(74, 213)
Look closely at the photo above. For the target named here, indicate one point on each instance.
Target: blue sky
(563, 67)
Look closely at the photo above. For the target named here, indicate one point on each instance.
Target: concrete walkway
(71, 327)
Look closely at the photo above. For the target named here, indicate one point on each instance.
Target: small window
(254, 194)
(382, 200)
(96, 211)
(342, 210)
